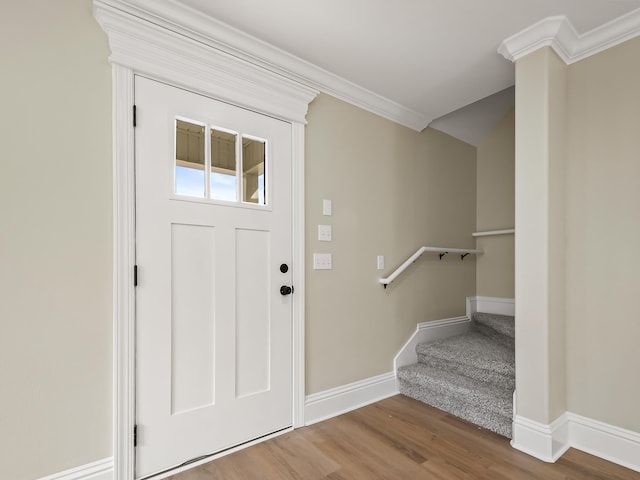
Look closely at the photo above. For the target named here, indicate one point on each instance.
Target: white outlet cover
(322, 261)
(324, 233)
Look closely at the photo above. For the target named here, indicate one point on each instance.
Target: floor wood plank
(398, 438)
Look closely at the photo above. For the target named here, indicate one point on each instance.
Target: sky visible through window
(223, 187)
(190, 181)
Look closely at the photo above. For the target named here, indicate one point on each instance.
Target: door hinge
(135, 435)
(135, 275)
(135, 116)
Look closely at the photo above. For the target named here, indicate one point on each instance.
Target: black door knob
(286, 290)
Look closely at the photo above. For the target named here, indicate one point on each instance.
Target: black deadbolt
(284, 268)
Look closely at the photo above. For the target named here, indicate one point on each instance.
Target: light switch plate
(380, 262)
(324, 233)
(322, 261)
(326, 207)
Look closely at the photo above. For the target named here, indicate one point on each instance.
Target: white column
(541, 105)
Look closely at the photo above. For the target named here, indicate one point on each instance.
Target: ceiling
(431, 57)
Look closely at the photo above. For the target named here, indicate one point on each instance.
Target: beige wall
(393, 190)
(495, 205)
(55, 239)
(603, 227)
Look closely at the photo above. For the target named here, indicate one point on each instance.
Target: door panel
(253, 313)
(213, 225)
(192, 326)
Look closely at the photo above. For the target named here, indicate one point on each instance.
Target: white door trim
(139, 46)
(123, 261)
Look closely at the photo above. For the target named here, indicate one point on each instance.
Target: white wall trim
(499, 306)
(123, 261)
(336, 401)
(549, 442)
(615, 444)
(100, 470)
(545, 442)
(186, 22)
(559, 33)
(428, 332)
(298, 272)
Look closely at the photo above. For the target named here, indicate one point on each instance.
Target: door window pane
(190, 168)
(223, 166)
(253, 170)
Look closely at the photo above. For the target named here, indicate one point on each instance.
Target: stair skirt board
(336, 401)
(100, 470)
(428, 332)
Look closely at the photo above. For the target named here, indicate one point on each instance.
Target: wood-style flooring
(398, 438)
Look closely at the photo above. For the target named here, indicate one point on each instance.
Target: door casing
(139, 47)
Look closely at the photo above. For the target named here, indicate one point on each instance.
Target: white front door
(213, 249)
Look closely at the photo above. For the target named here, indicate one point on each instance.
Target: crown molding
(184, 22)
(558, 33)
(153, 50)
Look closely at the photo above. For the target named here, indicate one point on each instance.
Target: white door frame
(170, 45)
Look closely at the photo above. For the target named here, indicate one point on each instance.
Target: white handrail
(441, 250)
(493, 232)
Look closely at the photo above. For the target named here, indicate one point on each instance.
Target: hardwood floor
(398, 438)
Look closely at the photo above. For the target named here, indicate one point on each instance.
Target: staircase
(471, 376)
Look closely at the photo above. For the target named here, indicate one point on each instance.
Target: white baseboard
(427, 332)
(500, 306)
(100, 470)
(605, 441)
(545, 442)
(336, 401)
(549, 442)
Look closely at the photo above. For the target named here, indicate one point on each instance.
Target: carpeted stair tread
(471, 376)
(503, 324)
(459, 388)
(490, 420)
(472, 354)
(483, 404)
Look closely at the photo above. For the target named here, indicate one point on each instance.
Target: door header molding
(158, 45)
